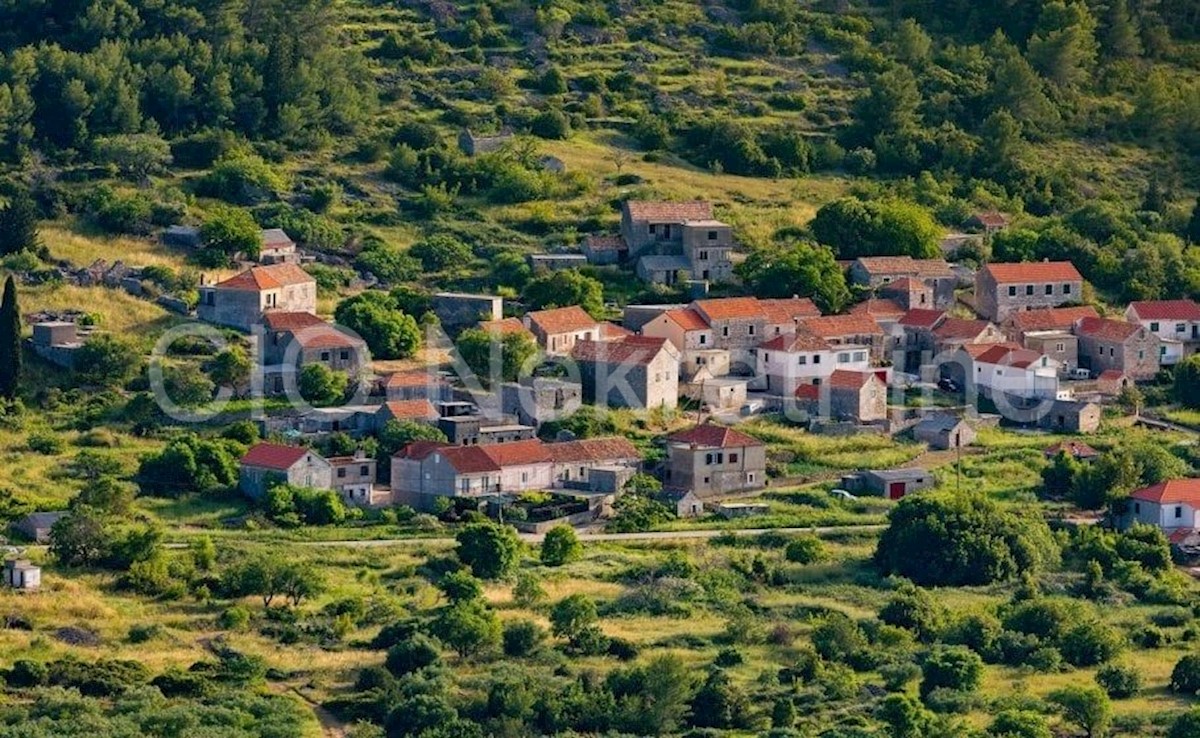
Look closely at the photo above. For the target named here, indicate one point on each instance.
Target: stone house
(536, 400)
(853, 396)
(718, 394)
(646, 224)
(683, 502)
(943, 432)
(242, 301)
(712, 460)
(557, 330)
(886, 312)
(1003, 289)
(604, 250)
(460, 309)
(1049, 331)
(781, 316)
(664, 269)
(1176, 324)
(474, 144)
(1170, 505)
(417, 410)
(790, 362)
(1112, 382)
(294, 340)
(908, 292)
(1070, 416)
(57, 341)
(635, 371)
(877, 272)
(1077, 450)
(707, 245)
(692, 337)
(987, 222)
(354, 478)
(954, 333)
(1114, 344)
(277, 248)
(22, 574)
(36, 525)
(572, 461)
(267, 464)
(425, 470)
(417, 385)
(912, 341)
(672, 239)
(480, 430)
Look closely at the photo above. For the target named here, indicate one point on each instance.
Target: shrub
(1120, 682)
(1089, 643)
(47, 444)
(951, 667)
(233, 618)
(522, 638)
(1185, 677)
(410, 655)
(805, 550)
(561, 546)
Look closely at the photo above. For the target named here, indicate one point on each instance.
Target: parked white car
(842, 494)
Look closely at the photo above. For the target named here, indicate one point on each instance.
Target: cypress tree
(18, 224)
(10, 340)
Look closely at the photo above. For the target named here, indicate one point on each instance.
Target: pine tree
(1121, 35)
(1192, 234)
(10, 341)
(18, 225)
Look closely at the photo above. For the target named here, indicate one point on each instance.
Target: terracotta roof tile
(592, 449)
(1051, 319)
(562, 320)
(415, 378)
(469, 459)
(921, 318)
(837, 326)
(846, 379)
(611, 331)
(410, 409)
(274, 456)
(687, 319)
(964, 329)
(309, 330)
(975, 350)
(1106, 329)
(905, 265)
(809, 392)
(782, 311)
(710, 435)
(668, 212)
(801, 340)
(730, 308)
(879, 308)
(267, 278)
(1033, 271)
(1171, 491)
(1166, 310)
(418, 450)
(504, 326)
(1078, 449)
(1005, 355)
(991, 219)
(604, 243)
(630, 349)
(517, 453)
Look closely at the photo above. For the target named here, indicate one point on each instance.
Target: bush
(234, 618)
(412, 654)
(561, 546)
(522, 638)
(1120, 682)
(805, 550)
(47, 444)
(1185, 677)
(1089, 643)
(951, 667)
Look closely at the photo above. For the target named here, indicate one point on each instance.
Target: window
(1178, 512)
(324, 356)
(524, 477)
(1137, 508)
(706, 480)
(1066, 289)
(364, 470)
(843, 357)
(1162, 350)
(1028, 289)
(345, 355)
(750, 477)
(766, 357)
(1141, 354)
(1154, 327)
(1060, 347)
(733, 458)
(712, 235)
(1180, 328)
(803, 360)
(703, 339)
(750, 330)
(1049, 289)
(1012, 291)
(725, 331)
(816, 358)
(860, 355)
(653, 228)
(708, 459)
(703, 256)
(341, 472)
(720, 458)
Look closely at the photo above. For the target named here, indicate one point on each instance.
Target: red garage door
(895, 490)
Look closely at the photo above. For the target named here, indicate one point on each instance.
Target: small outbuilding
(943, 432)
(891, 483)
(23, 575)
(1077, 450)
(683, 502)
(36, 525)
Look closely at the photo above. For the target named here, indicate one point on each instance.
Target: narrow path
(331, 726)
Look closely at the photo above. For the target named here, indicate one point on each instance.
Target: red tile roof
(786, 310)
(309, 330)
(801, 340)
(504, 326)
(1034, 271)
(879, 308)
(1006, 355)
(730, 308)
(809, 392)
(267, 278)
(630, 349)
(291, 321)
(418, 450)
(1111, 375)
(975, 350)
(710, 435)
(1051, 319)
(1078, 449)
(991, 219)
(1107, 329)
(1171, 491)
(668, 212)
(611, 331)
(846, 379)
(905, 265)
(593, 450)
(410, 409)
(1166, 310)
(415, 378)
(517, 453)
(604, 243)
(837, 326)
(469, 459)
(904, 284)
(964, 329)
(921, 318)
(687, 319)
(562, 320)
(274, 456)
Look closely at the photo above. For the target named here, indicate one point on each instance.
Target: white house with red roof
(558, 329)
(713, 460)
(1016, 372)
(242, 300)
(789, 362)
(268, 464)
(1003, 289)
(1176, 323)
(1170, 505)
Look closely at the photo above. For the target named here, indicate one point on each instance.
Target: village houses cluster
(1017, 336)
